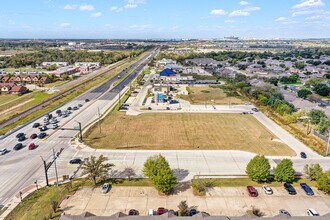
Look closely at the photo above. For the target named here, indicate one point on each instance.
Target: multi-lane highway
(23, 167)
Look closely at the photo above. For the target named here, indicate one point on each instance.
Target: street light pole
(45, 167)
(36, 182)
(327, 151)
(98, 112)
(54, 157)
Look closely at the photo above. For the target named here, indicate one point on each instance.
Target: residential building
(58, 64)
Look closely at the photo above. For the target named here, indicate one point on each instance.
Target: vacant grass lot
(204, 94)
(185, 131)
(7, 98)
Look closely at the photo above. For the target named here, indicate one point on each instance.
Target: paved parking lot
(227, 201)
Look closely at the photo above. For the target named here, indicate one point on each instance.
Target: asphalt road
(22, 168)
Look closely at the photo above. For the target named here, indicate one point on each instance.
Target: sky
(140, 19)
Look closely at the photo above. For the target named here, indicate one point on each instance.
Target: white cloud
(97, 14)
(309, 3)
(229, 21)
(218, 12)
(86, 7)
(252, 8)
(306, 12)
(116, 9)
(136, 2)
(108, 26)
(244, 3)
(134, 26)
(281, 19)
(289, 22)
(65, 25)
(239, 13)
(70, 7)
(131, 6)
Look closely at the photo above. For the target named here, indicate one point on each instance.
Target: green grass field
(185, 131)
(209, 95)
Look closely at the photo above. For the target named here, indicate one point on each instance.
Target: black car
(18, 146)
(75, 161)
(80, 105)
(192, 212)
(43, 128)
(303, 155)
(75, 108)
(35, 125)
(86, 100)
(290, 189)
(133, 212)
(21, 138)
(69, 108)
(20, 135)
(255, 109)
(42, 135)
(58, 111)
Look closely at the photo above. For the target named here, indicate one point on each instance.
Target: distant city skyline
(140, 19)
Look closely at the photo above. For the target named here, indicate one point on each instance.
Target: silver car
(3, 151)
(106, 187)
(267, 189)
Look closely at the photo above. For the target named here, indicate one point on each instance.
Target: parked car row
(287, 186)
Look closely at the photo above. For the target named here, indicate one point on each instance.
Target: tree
(158, 170)
(314, 171)
(284, 171)
(323, 182)
(258, 169)
(303, 93)
(184, 208)
(96, 168)
(54, 205)
(65, 77)
(129, 172)
(313, 82)
(322, 89)
(323, 125)
(284, 109)
(315, 116)
(299, 65)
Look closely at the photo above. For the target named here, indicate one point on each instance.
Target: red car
(252, 191)
(32, 146)
(33, 136)
(161, 211)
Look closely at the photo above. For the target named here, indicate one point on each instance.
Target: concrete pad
(137, 203)
(155, 202)
(98, 201)
(120, 191)
(216, 205)
(117, 203)
(172, 202)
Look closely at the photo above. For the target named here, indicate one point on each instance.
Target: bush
(258, 169)
(199, 186)
(284, 171)
(303, 93)
(313, 172)
(158, 170)
(323, 182)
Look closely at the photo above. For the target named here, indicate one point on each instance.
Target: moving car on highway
(18, 146)
(32, 146)
(42, 135)
(20, 135)
(303, 155)
(3, 151)
(33, 136)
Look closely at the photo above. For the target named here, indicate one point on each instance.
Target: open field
(7, 98)
(204, 94)
(185, 131)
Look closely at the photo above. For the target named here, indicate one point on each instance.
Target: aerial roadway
(27, 147)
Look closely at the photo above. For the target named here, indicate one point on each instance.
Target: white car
(267, 189)
(312, 212)
(150, 212)
(3, 151)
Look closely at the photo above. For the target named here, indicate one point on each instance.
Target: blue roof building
(167, 72)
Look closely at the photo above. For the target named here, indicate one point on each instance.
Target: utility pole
(45, 168)
(327, 151)
(119, 99)
(98, 112)
(54, 157)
